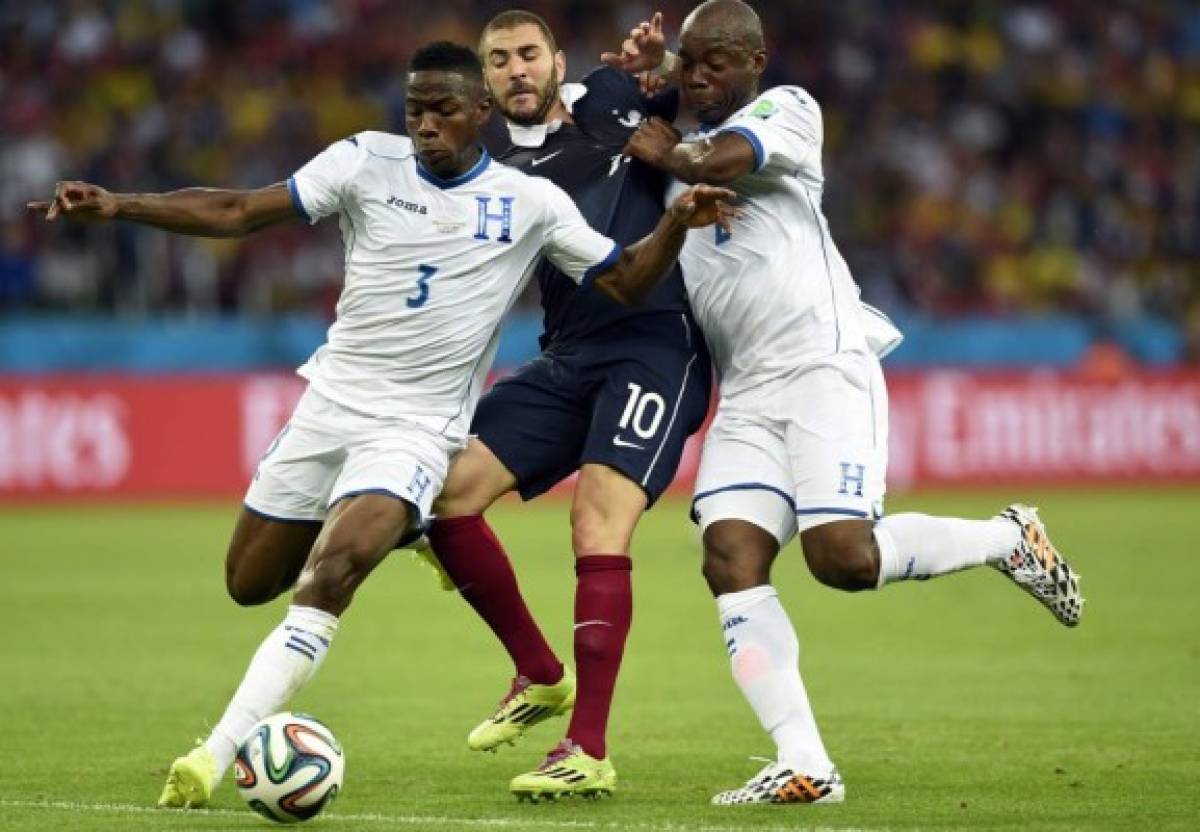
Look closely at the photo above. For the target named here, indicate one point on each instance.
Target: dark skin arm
(717, 160)
(200, 212)
(642, 265)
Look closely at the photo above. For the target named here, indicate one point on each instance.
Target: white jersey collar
(534, 135)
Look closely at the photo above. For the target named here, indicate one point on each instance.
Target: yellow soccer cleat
(525, 705)
(567, 772)
(191, 780)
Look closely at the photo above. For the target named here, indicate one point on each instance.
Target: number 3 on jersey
(422, 296)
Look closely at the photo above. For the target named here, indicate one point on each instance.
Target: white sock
(917, 546)
(284, 663)
(765, 655)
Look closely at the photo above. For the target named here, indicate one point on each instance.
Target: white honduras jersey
(775, 295)
(432, 265)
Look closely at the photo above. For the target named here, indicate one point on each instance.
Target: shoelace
(557, 754)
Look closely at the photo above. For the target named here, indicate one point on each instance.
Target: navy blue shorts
(628, 405)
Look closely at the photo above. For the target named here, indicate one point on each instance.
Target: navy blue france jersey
(619, 197)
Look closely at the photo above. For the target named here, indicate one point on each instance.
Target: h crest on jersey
(487, 217)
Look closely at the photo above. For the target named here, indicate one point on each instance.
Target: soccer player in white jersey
(439, 241)
(799, 442)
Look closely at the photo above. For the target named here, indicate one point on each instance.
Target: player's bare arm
(714, 160)
(640, 267)
(200, 212)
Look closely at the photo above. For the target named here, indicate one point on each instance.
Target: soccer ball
(289, 767)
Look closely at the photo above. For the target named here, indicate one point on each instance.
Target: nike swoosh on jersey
(621, 443)
(539, 160)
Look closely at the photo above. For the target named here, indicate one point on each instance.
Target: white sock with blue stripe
(765, 657)
(284, 663)
(917, 546)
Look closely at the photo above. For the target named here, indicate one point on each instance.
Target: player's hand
(702, 205)
(77, 200)
(643, 50)
(651, 84)
(652, 141)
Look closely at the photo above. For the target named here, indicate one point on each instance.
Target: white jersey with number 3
(431, 267)
(775, 295)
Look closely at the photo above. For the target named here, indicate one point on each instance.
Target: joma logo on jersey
(397, 202)
(487, 217)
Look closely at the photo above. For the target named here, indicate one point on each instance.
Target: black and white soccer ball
(289, 767)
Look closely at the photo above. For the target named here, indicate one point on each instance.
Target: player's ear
(560, 66)
(758, 60)
(483, 108)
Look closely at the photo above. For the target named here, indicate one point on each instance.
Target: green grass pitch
(958, 703)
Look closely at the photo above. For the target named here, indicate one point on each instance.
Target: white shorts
(327, 452)
(809, 451)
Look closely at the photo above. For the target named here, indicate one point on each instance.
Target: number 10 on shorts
(643, 412)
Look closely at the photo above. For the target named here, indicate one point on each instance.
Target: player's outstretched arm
(642, 265)
(201, 212)
(716, 160)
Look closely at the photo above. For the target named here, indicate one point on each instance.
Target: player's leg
(284, 508)
(529, 430)
(605, 511)
(384, 486)
(357, 535)
(644, 409)
(285, 504)
(746, 515)
(474, 560)
(266, 555)
(840, 475)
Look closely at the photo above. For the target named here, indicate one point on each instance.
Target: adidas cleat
(1037, 567)
(777, 783)
(190, 781)
(525, 705)
(566, 772)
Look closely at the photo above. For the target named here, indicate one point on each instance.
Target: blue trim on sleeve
(589, 277)
(760, 155)
(462, 179)
(296, 202)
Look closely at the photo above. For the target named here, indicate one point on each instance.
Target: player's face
(717, 77)
(445, 114)
(522, 72)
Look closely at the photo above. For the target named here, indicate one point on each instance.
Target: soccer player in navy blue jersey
(614, 395)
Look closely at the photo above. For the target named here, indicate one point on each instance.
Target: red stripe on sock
(475, 560)
(603, 611)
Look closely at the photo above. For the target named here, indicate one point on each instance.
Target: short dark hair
(444, 56)
(519, 17)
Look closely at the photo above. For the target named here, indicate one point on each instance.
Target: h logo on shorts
(486, 217)
(419, 482)
(852, 473)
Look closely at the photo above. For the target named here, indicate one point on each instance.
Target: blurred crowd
(982, 157)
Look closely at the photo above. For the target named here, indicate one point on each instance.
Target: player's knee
(250, 590)
(729, 567)
(595, 531)
(842, 560)
(246, 585)
(461, 499)
(337, 573)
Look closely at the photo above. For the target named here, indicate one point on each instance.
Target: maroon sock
(475, 561)
(603, 610)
